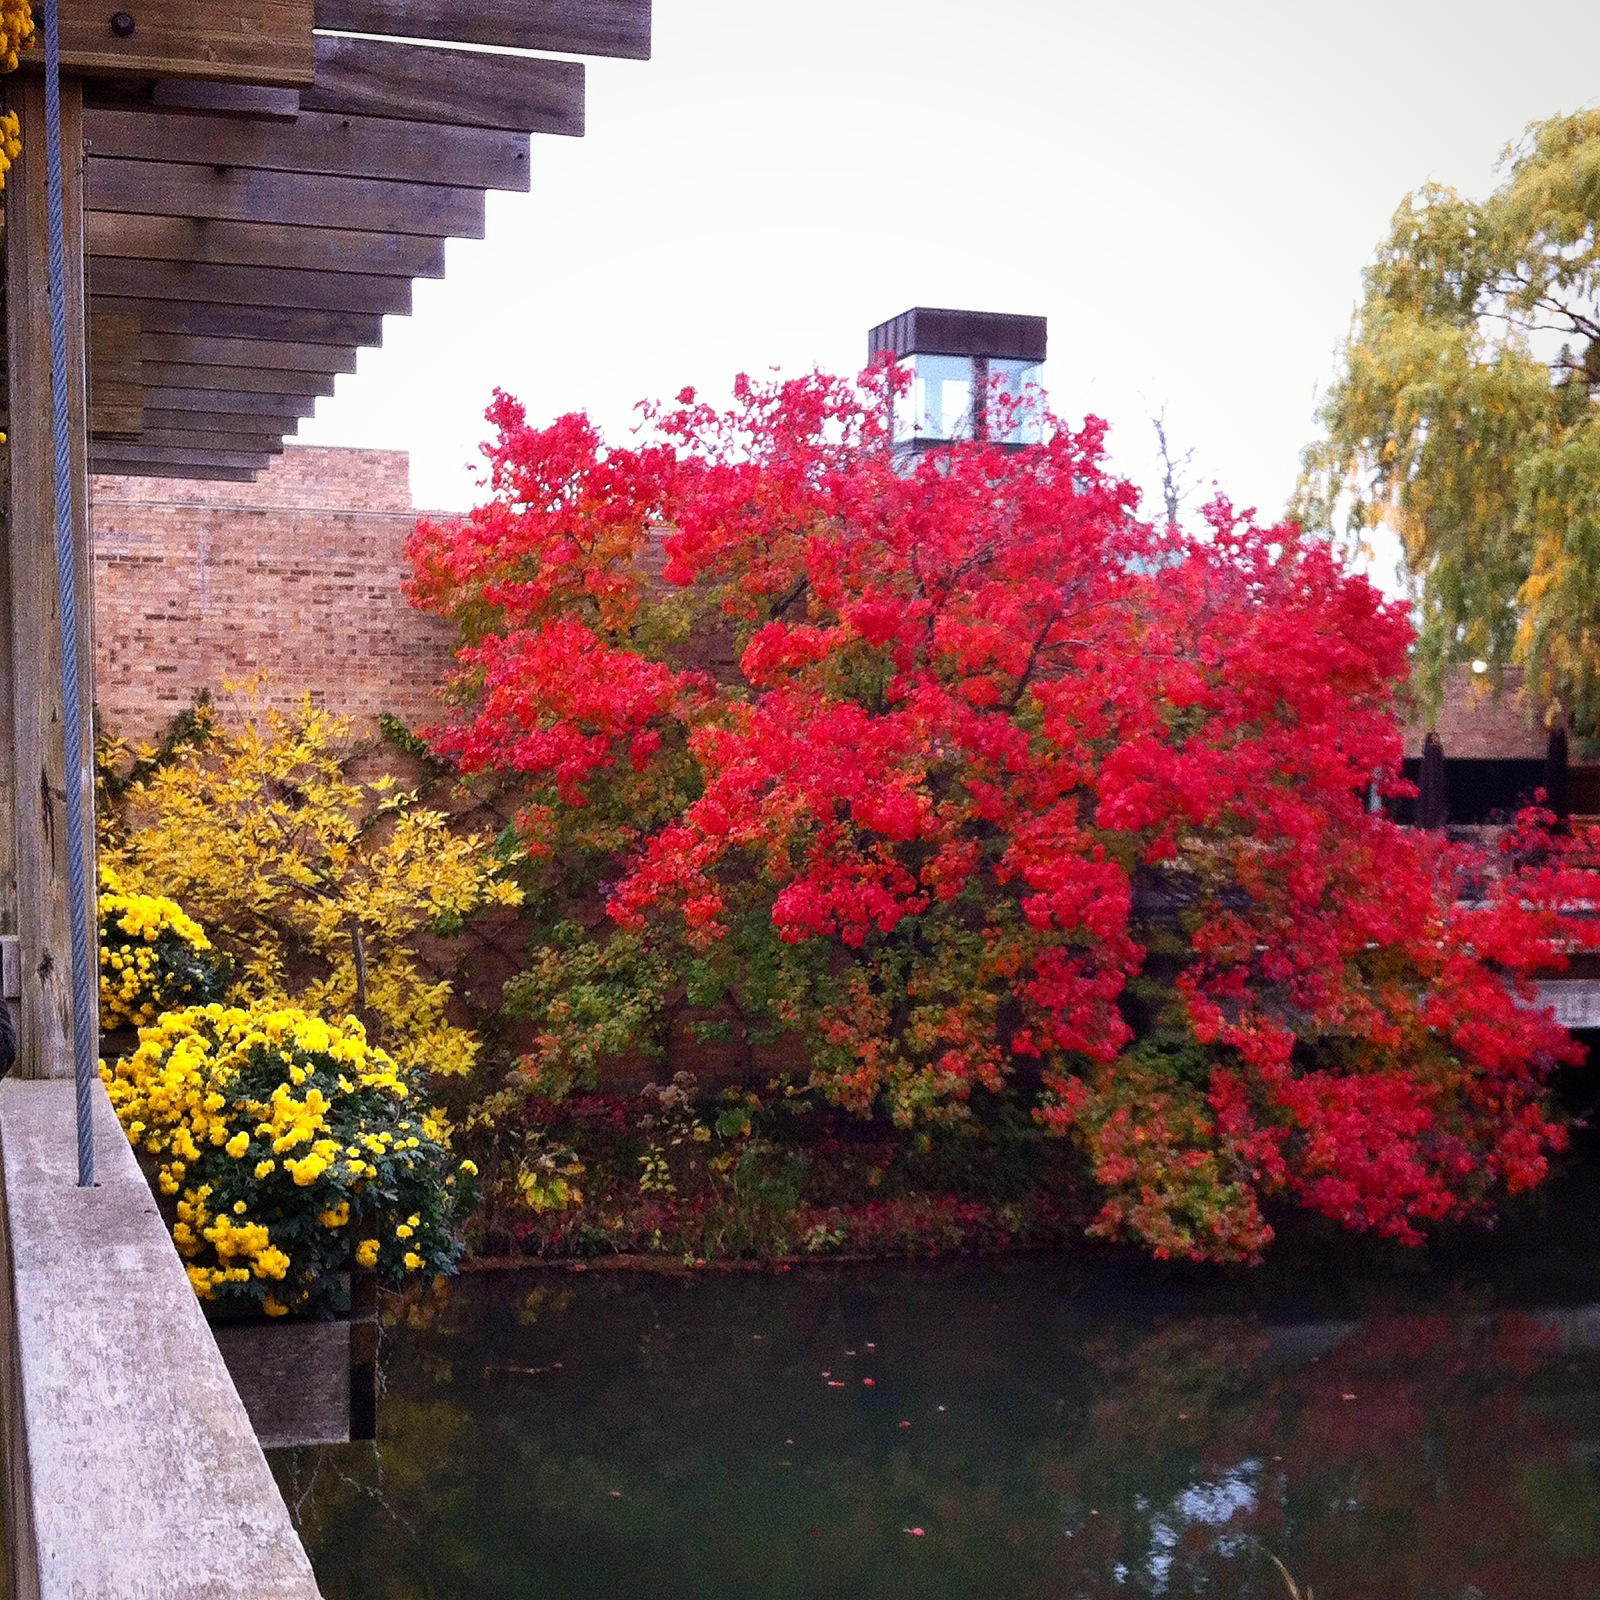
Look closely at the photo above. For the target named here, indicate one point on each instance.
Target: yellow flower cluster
(16, 33)
(223, 1098)
(135, 931)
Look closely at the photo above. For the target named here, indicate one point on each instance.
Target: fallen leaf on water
(869, 1383)
(1347, 1397)
(616, 1494)
(905, 1424)
(916, 1533)
(836, 1383)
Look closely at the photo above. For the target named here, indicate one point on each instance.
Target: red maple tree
(998, 788)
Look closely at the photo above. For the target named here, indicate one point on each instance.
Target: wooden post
(34, 763)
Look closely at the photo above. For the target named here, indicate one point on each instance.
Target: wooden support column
(34, 763)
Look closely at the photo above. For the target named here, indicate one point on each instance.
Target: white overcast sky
(1188, 191)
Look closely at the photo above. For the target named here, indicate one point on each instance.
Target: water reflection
(962, 1432)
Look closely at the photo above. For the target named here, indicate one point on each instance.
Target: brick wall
(295, 577)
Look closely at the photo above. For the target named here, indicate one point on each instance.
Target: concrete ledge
(131, 1467)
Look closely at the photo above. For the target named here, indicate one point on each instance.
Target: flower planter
(302, 1381)
(305, 1382)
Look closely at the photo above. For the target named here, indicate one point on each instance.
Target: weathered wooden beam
(210, 320)
(239, 380)
(260, 444)
(216, 422)
(225, 402)
(376, 78)
(10, 953)
(36, 764)
(390, 148)
(177, 456)
(249, 286)
(575, 27)
(116, 385)
(306, 200)
(243, 41)
(264, 244)
(135, 469)
(253, 100)
(246, 353)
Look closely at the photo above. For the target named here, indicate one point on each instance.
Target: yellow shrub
(316, 884)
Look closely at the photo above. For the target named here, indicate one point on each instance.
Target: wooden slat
(241, 41)
(133, 469)
(213, 321)
(116, 385)
(260, 444)
(246, 353)
(173, 455)
(389, 148)
(576, 27)
(34, 762)
(235, 99)
(308, 200)
(223, 403)
(401, 255)
(249, 286)
(220, 422)
(240, 380)
(374, 78)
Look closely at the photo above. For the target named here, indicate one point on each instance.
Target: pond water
(1033, 1428)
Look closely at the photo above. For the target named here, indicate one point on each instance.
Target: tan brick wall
(295, 577)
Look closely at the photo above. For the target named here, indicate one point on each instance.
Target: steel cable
(84, 1046)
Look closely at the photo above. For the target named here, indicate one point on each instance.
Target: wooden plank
(246, 353)
(240, 380)
(226, 423)
(240, 41)
(263, 244)
(10, 946)
(40, 767)
(135, 455)
(250, 286)
(116, 384)
(205, 474)
(306, 200)
(390, 148)
(224, 402)
(261, 444)
(252, 100)
(376, 78)
(575, 27)
(213, 321)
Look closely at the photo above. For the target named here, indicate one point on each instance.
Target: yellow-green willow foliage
(316, 885)
(1465, 415)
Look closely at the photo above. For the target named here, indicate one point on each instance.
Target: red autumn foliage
(1009, 788)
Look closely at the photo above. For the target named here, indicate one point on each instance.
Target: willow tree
(1464, 416)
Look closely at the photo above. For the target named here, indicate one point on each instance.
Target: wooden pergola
(260, 182)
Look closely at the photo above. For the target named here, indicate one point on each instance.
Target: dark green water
(1030, 1429)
